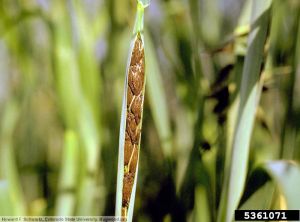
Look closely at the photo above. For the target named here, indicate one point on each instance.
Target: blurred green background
(62, 70)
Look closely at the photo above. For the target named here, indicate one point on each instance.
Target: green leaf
(66, 201)
(157, 98)
(251, 86)
(8, 167)
(261, 199)
(201, 210)
(87, 62)
(287, 175)
(6, 204)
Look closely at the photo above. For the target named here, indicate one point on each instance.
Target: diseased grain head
(135, 98)
(127, 187)
(131, 120)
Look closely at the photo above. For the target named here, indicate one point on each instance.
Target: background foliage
(222, 110)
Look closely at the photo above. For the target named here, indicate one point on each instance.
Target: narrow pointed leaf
(251, 86)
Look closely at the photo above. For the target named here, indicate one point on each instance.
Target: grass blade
(157, 99)
(6, 203)
(251, 86)
(261, 199)
(76, 107)
(66, 201)
(201, 210)
(287, 176)
(8, 167)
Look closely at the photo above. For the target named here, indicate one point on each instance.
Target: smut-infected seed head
(136, 108)
(127, 151)
(136, 73)
(127, 187)
(136, 79)
(138, 51)
(129, 96)
(127, 137)
(131, 126)
(134, 159)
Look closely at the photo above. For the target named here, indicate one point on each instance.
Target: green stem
(139, 20)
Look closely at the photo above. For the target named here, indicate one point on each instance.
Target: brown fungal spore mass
(128, 179)
(135, 98)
